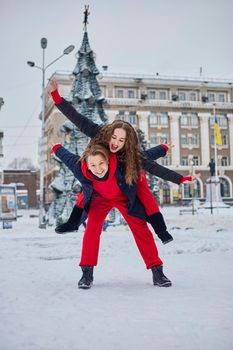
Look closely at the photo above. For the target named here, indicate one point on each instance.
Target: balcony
(168, 103)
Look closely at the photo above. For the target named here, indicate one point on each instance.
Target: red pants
(99, 208)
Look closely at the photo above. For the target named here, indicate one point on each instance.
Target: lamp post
(66, 51)
(192, 187)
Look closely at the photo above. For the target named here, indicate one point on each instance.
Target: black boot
(73, 222)
(159, 279)
(157, 222)
(87, 277)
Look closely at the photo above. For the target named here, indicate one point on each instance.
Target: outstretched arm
(156, 152)
(68, 158)
(165, 173)
(84, 124)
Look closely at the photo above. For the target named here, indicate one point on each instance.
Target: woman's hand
(170, 146)
(189, 179)
(53, 86)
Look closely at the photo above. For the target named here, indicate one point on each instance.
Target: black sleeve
(162, 172)
(68, 158)
(84, 124)
(155, 152)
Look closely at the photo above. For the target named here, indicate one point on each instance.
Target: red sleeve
(145, 196)
(55, 147)
(164, 146)
(56, 97)
(186, 178)
(79, 200)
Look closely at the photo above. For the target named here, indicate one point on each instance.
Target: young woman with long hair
(104, 188)
(121, 139)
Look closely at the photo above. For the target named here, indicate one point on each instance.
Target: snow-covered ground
(41, 307)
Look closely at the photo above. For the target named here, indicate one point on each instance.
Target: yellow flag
(218, 136)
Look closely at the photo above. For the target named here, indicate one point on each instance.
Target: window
(163, 138)
(221, 97)
(195, 140)
(224, 140)
(194, 119)
(187, 191)
(153, 139)
(132, 118)
(212, 140)
(162, 95)
(163, 119)
(189, 140)
(212, 119)
(184, 160)
(158, 119)
(130, 93)
(222, 120)
(224, 161)
(196, 190)
(121, 115)
(165, 161)
(196, 160)
(153, 119)
(189, 120)
(184, 140)
(158, 138)
(151, 95)
(224, 187)
(193, 96)
(184, 120)
(211, 97)
(120, 93)
(182, 96)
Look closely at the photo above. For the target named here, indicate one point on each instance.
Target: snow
(42, 308)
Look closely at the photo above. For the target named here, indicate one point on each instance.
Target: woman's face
(98, 165)
(117, 140)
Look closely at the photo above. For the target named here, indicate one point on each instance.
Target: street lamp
(66, 51)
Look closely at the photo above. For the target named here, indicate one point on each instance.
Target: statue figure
(86, 14)
(212, 167)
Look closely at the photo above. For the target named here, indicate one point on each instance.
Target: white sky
(169, 37)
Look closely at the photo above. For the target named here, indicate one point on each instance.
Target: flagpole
(216, 160)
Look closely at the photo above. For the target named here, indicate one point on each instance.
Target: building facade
(179, 111)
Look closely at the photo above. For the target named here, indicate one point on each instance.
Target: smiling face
(117, 140)
(98, 165)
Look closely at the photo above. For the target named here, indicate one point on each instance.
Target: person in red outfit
(104, 188)
(122, 140)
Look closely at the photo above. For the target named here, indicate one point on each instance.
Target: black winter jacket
(89, 128)
(72, 161)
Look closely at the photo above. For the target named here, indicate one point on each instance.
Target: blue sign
(8, 202)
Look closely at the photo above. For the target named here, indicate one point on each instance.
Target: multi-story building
(179, 111)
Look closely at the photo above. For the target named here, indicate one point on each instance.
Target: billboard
(8, 209)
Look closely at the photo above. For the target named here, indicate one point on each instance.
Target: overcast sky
(173, 37)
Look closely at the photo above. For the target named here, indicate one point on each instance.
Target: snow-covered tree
(87, 98)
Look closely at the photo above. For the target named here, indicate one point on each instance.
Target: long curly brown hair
(130, 154)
